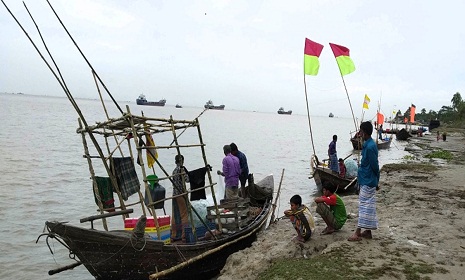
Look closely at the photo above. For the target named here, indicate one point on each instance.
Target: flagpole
(308, 115)
(350, 104)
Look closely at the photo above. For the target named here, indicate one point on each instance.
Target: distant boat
(178, 106)
(403, 134)
(209, 105)
(282, 112)
(331, 115)
(143, 101)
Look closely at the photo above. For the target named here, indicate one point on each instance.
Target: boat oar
(60, 269)
(276, 199)
(351, 183)
(348, 156)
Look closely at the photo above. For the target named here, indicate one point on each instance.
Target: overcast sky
(247, 54)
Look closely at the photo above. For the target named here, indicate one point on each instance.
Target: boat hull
(213, 107)
(321, 175)
(285, 112)
(381, 144)
(117, 255)
(150, 103)
(403, 134)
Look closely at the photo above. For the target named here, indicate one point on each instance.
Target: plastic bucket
(152, 179)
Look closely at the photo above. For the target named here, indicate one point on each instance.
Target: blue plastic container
(200, 231)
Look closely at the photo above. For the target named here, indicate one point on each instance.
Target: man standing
(332, 153)
(368, 179)
(244, 168)
(231, 172)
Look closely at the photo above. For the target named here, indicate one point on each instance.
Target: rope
(180, 253)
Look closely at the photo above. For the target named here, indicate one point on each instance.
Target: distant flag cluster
(312, 53)
(366, 101)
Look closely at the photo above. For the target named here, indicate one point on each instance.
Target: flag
(366, 101)
(345, 63)
(312, 52)
(380, 118)
(412, 113)
(152, 153)
(394, 112)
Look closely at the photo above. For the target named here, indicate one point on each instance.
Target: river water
(44, 176)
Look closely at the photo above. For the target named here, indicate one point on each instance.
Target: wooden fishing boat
(403, 134)
(322, 175)
(120, 254)
(357, 143)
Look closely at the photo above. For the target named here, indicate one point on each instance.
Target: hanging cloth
(197, 180)
(126, 176)
(105, 192)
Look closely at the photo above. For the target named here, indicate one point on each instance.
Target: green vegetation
(442, 154)
(341, 265)
(409, 157)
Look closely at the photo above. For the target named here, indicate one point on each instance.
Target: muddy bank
(420, 205)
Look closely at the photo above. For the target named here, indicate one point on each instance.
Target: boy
(331, 208)
(301, 218)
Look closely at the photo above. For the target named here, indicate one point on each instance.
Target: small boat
(403, 134)
(433, 124)
(331, 115)
(357, 143)
(322, 174)
(209, 105)
(141, 100)
(178, 106)
(282, 112)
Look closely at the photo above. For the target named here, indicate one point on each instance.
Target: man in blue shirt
(368, 179)
(244, 168)
(332, 153)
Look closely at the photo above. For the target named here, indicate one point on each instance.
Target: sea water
(45, 177)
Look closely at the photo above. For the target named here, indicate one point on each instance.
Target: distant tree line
(448, 114)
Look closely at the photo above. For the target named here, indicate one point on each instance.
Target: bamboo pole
(142, 166)
(184, 189)
(277, 196)
(92, 174)
(308, 116)
(215, 202)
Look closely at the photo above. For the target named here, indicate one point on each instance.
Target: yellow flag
(366, 101)
(149, 142)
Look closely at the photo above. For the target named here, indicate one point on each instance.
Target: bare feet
(327, 230)
(366, 234)
(354, 237)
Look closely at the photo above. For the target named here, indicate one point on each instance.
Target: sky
(246, 54)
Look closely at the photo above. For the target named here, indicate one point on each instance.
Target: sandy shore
(421, 211)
